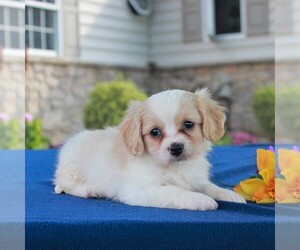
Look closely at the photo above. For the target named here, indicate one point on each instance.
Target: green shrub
(34, 138)
(225, 140)
(288, 110)
(108, 102)
(264, 108)
(10, 135)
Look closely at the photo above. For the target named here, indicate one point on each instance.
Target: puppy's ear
(131, 128)
(212, 114)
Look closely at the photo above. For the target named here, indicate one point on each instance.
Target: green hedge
(108, 102)
(34, 138)
(288, 110)
(10, 135)
(264, 107)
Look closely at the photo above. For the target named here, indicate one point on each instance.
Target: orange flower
(265, 159)
(288, 159)
(260, 190)
(288, 189)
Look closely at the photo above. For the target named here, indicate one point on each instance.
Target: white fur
(98, 164)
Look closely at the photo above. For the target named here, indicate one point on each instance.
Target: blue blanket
(67, 222)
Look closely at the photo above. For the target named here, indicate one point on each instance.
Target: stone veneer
(56, 91)
(244, 79)
(12, 88)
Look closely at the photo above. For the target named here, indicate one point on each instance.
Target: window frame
(58, 28)
(230, 36)
(19, 5)
(57, 7)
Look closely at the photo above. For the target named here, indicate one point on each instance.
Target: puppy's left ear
(212, 114)
(131, 128)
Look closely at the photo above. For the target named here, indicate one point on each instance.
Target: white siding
(167, 48)
(110, 34)
(288, 45)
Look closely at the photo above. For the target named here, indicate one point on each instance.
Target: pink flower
(4, 117)
(240, 137)
(28, 117)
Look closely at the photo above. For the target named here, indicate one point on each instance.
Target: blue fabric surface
(67, 222)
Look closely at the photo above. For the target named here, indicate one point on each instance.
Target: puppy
(155, 158)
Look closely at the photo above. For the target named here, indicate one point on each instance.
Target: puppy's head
(173, 125)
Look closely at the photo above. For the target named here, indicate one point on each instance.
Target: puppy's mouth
(178, 158)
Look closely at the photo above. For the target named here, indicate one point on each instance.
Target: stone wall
(57, 91)
(12, 88)
(244, 79)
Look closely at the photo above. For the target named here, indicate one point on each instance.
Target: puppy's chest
(176, 178)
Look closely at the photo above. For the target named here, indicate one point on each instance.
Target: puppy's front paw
(200, 202)
(228, 195)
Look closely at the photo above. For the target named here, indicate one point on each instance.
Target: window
(12, 24)
(41, 25)
(227, 17)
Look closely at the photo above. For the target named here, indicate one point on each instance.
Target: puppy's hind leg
(71, 184)
(79, 190)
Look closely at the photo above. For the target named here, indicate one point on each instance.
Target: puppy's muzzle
(176, 149)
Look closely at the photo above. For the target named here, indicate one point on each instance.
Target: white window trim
(226, 37)
(15, 5)
(12, 4)
(54, 7)
(57, 6)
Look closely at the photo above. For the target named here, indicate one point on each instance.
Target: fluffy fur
(130, 165)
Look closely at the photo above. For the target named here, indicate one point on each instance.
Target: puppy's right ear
(131, 128)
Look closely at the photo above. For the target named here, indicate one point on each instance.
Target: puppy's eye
(188, 125)
(155, 132)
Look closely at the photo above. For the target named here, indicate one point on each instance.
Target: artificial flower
(288, 159)
(260, 189)
(288, 187)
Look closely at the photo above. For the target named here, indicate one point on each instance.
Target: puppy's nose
(176, 149)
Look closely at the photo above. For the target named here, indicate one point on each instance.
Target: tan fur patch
(131, 128)
(151, 121)
(212, 114)
(188, 112)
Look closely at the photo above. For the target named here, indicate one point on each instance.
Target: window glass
(49, 19)
(27, 38)
(227, 17)
(2, 38)
(37, 40)
(15, 40)
(1, 15)
(14, 17)
(36, 13)
(50, 41)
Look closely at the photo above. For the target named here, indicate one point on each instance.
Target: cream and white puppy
(155, 158)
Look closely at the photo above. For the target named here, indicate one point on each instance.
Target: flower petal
(238, 189)
(265, 159)
(266, 200)
(289, 200)
(291, 175)
(288, 159)
(282, 190)
(263, 196)
(268, 175)
(250, 186)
